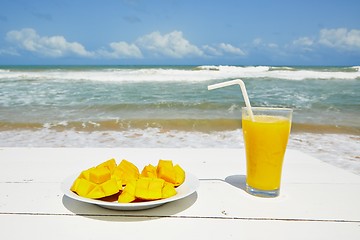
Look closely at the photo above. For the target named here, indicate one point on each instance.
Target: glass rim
(269, 108)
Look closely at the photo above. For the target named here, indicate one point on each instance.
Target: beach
(170, 107)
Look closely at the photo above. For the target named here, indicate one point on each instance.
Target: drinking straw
(243, 90)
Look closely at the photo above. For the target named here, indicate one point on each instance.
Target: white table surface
(317, 200)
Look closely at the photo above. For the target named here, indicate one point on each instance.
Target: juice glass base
(262, 193)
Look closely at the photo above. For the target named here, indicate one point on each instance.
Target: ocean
(170, 106)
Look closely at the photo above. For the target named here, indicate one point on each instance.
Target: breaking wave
(187, 73)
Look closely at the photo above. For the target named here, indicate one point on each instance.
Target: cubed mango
(96, 193)
(109, 187)
(126, 171)
(179, 175)
(168, 190)
(149, 171)
(107, 179)
(86, 174)
(109, 164)
(82, 187)
(128, 193)
(149, 188)
(165, 170)
(100, 174)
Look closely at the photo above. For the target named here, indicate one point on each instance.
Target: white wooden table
(317, 200)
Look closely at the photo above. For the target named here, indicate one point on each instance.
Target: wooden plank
(316, 198)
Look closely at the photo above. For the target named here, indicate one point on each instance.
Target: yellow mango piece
(109, 187)
(168, 190)
(97, 192)
(82, 187)
(155, 188)
(141, 188)
(165, 163)
(149, 188)
(107, 179)
(109, 164)
(100, 174)
(149, 171)
(128, 193)
(86, 174)
(179, 175)
(75, 184)
(165, 170)
(126, 171)
(118, 182)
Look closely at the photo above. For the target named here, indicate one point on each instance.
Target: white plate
(187, 188)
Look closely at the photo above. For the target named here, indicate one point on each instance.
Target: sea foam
(200, 73)
(341, 150)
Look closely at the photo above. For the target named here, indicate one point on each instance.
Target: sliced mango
(172, 174)
(97, 192)
(179, 175)
(100, 174)
(126, 171)
(149, 171)
(109, 164)
(165, 170)
(82, 187)
(86, 174)
(109, 187)
(118, 182)
(107, 179)
(168, 190)
(149, 188)
(128, 194)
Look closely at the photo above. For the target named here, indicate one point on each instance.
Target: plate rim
(191, 182)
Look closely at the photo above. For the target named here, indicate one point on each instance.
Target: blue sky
(236, 32)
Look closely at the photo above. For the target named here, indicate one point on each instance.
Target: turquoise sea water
(170, 106)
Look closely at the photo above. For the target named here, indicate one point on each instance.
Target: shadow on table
(99, 213)
(238, 181)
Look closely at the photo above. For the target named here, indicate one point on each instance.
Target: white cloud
(54, 46)
(222, 49)
(125, 49)
(272, 45)
(228, 48)
(260, 44)
(172, 44)
(257, 41)
(303, 44)
(303, 41)
(340, 38)
(337, 38)
(213, 51)
(121, 50)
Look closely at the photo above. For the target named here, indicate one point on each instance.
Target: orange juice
(265, 143)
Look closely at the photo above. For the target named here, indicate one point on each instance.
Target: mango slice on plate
(126, 171)
(109, 179)
(179, 175)
(149, 171)
(149, 188)
(82, 187)
(109, 164)
(128, 193)
(168, 172)
(110, 187)
(168, 190)
(86, 174)
(165, 170)
(99, 175)
(97, 192)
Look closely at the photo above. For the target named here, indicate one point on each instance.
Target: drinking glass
(265, 138)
